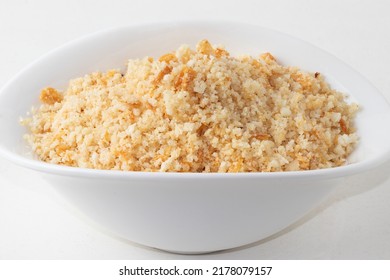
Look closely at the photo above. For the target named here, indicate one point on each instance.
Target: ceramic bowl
(185, 212)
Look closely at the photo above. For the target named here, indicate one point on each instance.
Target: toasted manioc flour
(195, 111)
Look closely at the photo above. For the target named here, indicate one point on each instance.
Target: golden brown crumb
(267, 57)
(204, 47)
(168, 57)
(161, 74)
(184, 79)
(343, 126)
(262, 136)
(196, 111)
(221, 52)
(50, 96)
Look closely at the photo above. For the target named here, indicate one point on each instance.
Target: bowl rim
(326, 173)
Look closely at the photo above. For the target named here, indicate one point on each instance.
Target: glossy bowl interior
(191, 212)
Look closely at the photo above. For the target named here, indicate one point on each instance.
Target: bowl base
(187, 252)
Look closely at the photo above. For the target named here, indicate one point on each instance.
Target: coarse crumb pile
(195, 111)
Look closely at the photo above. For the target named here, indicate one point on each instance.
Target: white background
(354, 223)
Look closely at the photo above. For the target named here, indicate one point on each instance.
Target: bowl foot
(188, 252)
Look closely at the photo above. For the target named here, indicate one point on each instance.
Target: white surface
(353, 223)
(191, 213)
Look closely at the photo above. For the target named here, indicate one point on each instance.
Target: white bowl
(191, 212)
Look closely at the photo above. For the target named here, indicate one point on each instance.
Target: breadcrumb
(196, 111)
